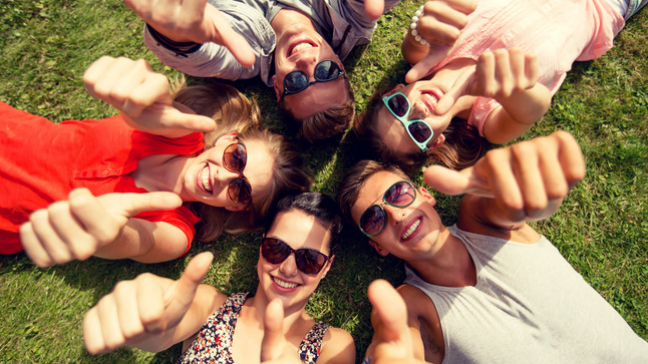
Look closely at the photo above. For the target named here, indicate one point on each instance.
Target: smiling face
(300, 47)
(284, 281)
(207, 180)
(410, 232)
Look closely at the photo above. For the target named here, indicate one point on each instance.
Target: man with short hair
(295, 46)
(490, 288)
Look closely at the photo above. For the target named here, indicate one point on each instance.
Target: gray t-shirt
(343, 23)
(529, 305)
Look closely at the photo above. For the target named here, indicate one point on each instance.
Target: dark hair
(354, 180)
(462, 148)
(315, 204)
(326, 123)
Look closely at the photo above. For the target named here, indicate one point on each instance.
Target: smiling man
(490, 288)
(295, 46)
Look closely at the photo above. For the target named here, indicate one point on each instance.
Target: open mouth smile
(413, 227)
(205, 180)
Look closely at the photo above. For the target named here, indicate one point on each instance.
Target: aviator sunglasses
(420, 132)
(234, 160)
(373, 220)
(309, 261)
(297, 81)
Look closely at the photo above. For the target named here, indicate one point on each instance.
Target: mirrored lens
(240, 191)
(420, 131)
(296, 81)
(327, 70)
(235, 157)
(398, 105)
(372, 220)
(400, 194)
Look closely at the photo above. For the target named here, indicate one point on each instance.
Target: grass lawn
(45, 46)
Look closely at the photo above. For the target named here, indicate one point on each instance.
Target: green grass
(601, 229)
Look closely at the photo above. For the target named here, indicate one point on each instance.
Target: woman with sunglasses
(296, 253)
(487, 71)
(85, 191)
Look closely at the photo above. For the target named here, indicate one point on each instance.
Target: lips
(430, 99)
(205, 180)
(284, 286)
(410, 230)
(300, 46)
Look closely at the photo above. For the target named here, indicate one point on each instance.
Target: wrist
(413, 31)
(181, 48)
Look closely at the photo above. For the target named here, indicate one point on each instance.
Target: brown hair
(462, 148)
(326, 123)
(234, 112)
(354, 180)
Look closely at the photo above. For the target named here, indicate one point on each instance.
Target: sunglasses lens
(327, 70)
(310, 261)
(240, 191)
(295, 81)
(399, 105)
(400, 194)
(372, 220)
(274, 251)
(235, 157)
(420, 131)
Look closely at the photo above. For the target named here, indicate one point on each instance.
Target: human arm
(86, 225)
(440, 25)
(511, 186)
(511, 78)
(193, 21)
(397, 337)
(143, 97)
(151, 312)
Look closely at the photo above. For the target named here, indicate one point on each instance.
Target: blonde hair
(234, 112)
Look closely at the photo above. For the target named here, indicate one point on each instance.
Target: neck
(158, 173)
(288, 17)
(450, 266)
(292, 315)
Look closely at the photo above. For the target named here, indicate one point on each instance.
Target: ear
(427, 196)
(378, 248)
(275, 85)
(328, 265)
(438, 142)
(394, 90)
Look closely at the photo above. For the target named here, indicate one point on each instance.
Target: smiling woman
(113, 197)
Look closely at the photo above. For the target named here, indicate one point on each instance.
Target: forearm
(147, 242)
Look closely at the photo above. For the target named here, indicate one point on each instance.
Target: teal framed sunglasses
(418, 130)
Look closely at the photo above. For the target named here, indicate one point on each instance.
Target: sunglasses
(373, 220)
(297, 81)
(234, 160)
(420, 132)
(309, 261)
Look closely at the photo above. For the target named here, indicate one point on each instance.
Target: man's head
(386, 206)
(310, 83)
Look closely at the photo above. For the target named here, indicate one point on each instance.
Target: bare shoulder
(337, 347)
(424, 323)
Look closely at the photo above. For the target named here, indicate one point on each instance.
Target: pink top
(558, 32)
(43, 161)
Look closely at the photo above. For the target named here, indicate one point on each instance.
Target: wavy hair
(234, 112)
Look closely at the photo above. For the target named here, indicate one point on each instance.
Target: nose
(224, 177)
(419, 110)
(307, 63)
(289, 266)
(394, 214)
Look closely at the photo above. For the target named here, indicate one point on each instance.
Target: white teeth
(300, 47)
(433, 100)
(284, 284)
(411, 229)
(204, 178)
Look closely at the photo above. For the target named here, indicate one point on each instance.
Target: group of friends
(194, 162)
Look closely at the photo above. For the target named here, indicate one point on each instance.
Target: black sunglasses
(235, 160)
(297, 81)
(309, 261)
(373, 220)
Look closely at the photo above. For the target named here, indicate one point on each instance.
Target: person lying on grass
(81, 188)
(486, 72)
(296, 252)
(489, 288)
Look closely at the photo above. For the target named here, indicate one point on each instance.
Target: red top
(41, 162)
